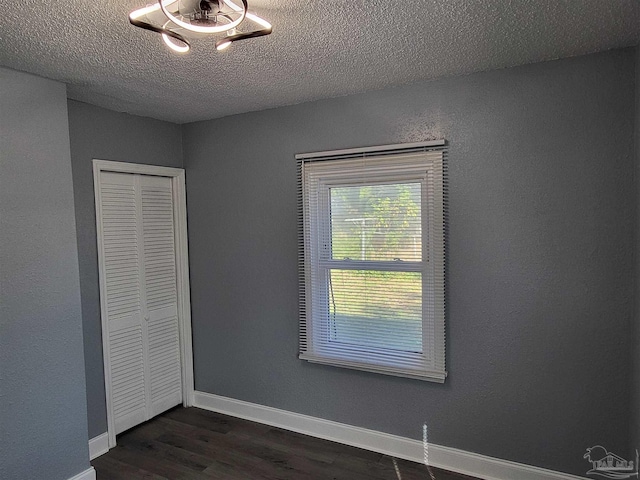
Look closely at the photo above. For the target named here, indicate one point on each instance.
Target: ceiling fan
(180, 20)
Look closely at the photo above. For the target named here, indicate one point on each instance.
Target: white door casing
(144, 291)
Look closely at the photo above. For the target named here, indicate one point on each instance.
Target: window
(372, 260)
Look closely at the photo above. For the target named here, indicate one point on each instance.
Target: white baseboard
(448, 458)
(98, 445)
(88, 474)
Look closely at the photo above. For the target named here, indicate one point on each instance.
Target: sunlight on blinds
(377, 309)
(376, 222)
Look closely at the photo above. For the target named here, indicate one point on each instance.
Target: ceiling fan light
(178, 22)
(223, 44)
(200, 28)
(260, 21)
(173, 45)
(140, 12)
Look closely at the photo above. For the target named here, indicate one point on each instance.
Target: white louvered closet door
(141, 301)
(165, 382)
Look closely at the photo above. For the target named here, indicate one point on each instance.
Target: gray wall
(106, 135)
(43, 421)
(540, 296)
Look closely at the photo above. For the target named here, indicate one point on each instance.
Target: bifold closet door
(141, 301)
(161, 299)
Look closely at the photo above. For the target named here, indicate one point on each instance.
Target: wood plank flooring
(195, 444)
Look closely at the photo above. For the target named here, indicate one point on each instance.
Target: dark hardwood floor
(195, 444)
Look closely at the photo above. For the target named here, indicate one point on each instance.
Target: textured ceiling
(318, 49)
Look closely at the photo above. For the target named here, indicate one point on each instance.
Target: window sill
(426, 375)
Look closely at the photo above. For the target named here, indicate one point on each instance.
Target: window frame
(316, 178)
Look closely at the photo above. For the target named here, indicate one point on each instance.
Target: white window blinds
(372, 260)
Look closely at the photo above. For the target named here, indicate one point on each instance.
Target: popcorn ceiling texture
(318, 49)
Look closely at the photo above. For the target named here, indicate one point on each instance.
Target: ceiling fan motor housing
(207, 12)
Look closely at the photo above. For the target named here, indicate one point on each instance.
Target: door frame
(177, 177)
